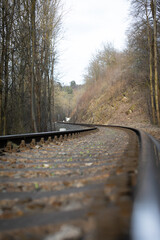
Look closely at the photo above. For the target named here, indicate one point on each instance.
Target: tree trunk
(6, 88)
(7, 22)
(1, 87)
(38, 93)
(33, 4)
(49, 105)
(2, 66)
(52, 96)
(155, 64)
(150, 64)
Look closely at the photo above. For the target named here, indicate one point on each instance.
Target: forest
(30, 32)
(31, 95)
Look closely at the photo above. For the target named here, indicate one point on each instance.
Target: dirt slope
(125, 106)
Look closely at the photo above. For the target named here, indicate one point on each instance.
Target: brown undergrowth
(115, 103)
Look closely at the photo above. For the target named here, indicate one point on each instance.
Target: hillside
(113, 93)
(121, 104)
(126, 106)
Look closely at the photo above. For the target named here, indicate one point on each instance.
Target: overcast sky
(88, 25)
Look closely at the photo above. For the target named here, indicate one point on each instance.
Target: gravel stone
(67, 232)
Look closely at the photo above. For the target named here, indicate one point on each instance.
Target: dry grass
(115, 99)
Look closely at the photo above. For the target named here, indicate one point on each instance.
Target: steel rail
(17, 138)
(146, 208)
(145, 220)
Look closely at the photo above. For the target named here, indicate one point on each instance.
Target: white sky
(88, 24)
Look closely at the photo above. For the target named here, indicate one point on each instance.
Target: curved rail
(146, 208)
(145, 221)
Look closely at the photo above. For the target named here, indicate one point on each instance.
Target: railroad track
(95, 183)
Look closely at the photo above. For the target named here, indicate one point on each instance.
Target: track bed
(77, 188)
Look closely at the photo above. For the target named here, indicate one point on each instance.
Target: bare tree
(33, 6)
(145, 14)
(154, 13)
(149, 32)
